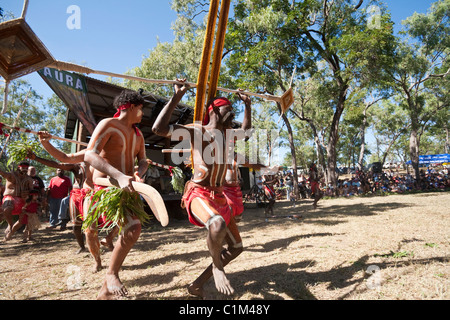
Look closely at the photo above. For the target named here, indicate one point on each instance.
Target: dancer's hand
(181, 88)
(125, 183)
(245, 98)
(44, 136)
(137, 178)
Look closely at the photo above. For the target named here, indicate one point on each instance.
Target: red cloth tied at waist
(214, 197)
(234, 198)
(17, 202)
(77, 196)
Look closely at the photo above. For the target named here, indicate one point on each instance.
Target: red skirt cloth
(17, 202)
(315, 187)
(234, 198)
(214, 197)
(30, 209)
(77, 196)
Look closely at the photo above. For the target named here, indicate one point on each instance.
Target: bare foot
(196, 291)
(108, 244)
(221, 281)
(81, 250)
(8, 235)
(112, 288)
(97, 267)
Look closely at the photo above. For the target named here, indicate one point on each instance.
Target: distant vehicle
(375, 167)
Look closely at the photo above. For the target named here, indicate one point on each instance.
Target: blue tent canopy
(433, 158)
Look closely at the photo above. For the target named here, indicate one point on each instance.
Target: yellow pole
(218, 49)
(203, 73)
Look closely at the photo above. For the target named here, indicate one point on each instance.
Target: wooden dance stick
(36, 133)
(175, 150)
(66, 66)
(163, 166)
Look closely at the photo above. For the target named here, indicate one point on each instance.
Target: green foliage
(178, 180)
(18, 150)
(35, 115)
(115, 205)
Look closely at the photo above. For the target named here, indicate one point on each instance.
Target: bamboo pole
(203, 73)
(218, 49)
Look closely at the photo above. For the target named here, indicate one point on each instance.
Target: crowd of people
(363, 183)
(212, 197)
(39, 202)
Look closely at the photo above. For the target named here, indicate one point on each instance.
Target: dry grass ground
(392, 247)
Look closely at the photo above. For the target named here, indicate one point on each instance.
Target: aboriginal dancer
(115, 146)
(204, 197)
(83, 186)
(269, 179)
(17, 188)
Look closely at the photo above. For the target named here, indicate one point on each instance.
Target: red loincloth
(18, 203)
(213, 196)
(77, 196)
(234, 198)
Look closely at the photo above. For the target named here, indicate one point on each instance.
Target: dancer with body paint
(204, 197)
(314, 180)
(113, 149)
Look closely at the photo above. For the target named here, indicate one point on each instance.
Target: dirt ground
(365, 248)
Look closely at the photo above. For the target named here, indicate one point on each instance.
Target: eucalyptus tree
(390, 125)
(269, 39)
(422, 59)
(26, 109)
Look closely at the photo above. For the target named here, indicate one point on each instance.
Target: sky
(115, 35)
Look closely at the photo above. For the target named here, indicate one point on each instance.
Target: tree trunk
(414, 151)
(334, 137)
(447, 141)
(317, 142)
(362, 150)
(294, 157)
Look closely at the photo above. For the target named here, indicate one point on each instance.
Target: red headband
(219, 102)
(122, 107)
(125, 107)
